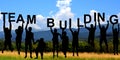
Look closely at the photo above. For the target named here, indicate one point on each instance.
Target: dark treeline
(83, 46)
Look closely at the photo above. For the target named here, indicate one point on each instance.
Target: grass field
(7, 55)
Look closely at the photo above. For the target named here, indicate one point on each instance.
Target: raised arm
(107, 25)
(118, 28)
(51, 30)
(10, 26)
(71, 30)
(99, 24)
(3, 25)
(36, 41)
(113, 27)
(22, 25)
(63, 30)
(78, 30)
(33, 37)
(86, 27)
(62, 33)
(26, 26)
(95, 24)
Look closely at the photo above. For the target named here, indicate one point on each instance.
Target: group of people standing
(29, 39)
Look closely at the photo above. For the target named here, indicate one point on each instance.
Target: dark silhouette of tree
(19, 32)
(28, 40)
(75, 40)
(8, 36)
(55, 40)
(91, 34)
(103, 31)
(40, 48)
(115, 38)
(65, 42)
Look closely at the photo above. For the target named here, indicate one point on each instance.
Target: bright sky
(57, 9)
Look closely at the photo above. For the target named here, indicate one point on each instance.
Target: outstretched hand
(107, 21)
(63, 29)
(34, 43)
(98, 20)
(94, 20)
(27, 22)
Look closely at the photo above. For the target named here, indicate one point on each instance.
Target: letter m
(31, 20)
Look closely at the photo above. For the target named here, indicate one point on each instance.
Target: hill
(48, 36)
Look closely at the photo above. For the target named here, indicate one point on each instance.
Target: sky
(57, 9)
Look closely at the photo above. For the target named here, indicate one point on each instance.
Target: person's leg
(53, 50)
(73, 49)
(36, 52)
(93, 44)
(5, 45)
(77, 49)
(117, 48)
(41, 54)
(63, 48)
(26, 47)
(10, 46)
(65, 51)
(88, 40)
(101, 45)
(19, 47)
(57, 49)
(30, 48)
(106, 44)
(114, 48)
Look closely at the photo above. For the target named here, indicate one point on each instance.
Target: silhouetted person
(8, 36)
(115, 39)
(65, 42)
(103, 31)
(91, 34)
(28, 40)
(19, 32)
(40, 48)
(75, 42)
(55, 40)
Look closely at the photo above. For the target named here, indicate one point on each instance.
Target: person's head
(75, 32)
(30, 28)
(41, 39)
(103, 27)
(91, 25)
(19, 27)
(64, 33)
(55, 30)
(6, 29)
(115, 29)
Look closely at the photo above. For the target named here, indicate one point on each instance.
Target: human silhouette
(103, 31)
(75, 43)
(91, 34)
(28, 40)
(115, 39)
(8, 36)
(55, 41)
(40, 48)
(65, 42)
(19, 32)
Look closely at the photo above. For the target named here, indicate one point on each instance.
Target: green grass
(50, 58)
(45, 58)
(7, 55)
